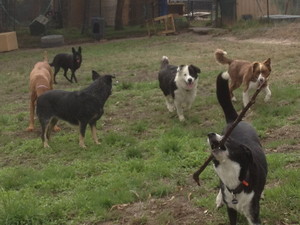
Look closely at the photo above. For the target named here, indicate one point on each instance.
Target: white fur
(255, 85)
(219, 199)
(165, 58)
(252, 85)
(170, 103)
(225, 75)
(268, 93)
(228, 171)
(184, 94)
(244, 203)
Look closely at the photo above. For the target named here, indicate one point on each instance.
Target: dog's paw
(30, 128)
(219, 200)
(171, 108)
(82, 145)
(46, 145)
(181, 118)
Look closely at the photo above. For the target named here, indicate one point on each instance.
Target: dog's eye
(185, 74)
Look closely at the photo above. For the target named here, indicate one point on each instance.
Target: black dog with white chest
(78, 107)
(179, 85)
(67, 61)
(240, 164)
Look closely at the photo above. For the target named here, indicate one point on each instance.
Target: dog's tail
(224, 99)
(164, 62)
(221, 58)
(46, 56)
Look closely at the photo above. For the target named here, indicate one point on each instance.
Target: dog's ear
(246, 159)
(108, 79)
(111, 76)
(195, 68)
(267, 63)
(95, 75)
(255, 65)
(248, 154)
(79, 49)
(180, 68)
(73, 50)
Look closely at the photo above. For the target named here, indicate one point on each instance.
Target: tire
(52, 41)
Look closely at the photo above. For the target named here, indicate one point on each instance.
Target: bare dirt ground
(177, 209)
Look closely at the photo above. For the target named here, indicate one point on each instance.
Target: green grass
(145, 152)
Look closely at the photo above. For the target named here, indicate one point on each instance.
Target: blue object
(163, 7)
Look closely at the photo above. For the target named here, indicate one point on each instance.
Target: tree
(119, 15)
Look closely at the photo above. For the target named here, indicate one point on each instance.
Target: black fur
(78, 107)
(166, 77)
(244, 148)
(67, 61)
(223, 96)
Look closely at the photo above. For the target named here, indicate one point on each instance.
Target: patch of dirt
(264, 40)
(291, 132)
(174, 210)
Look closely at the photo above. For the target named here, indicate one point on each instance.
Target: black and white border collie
(240, 164)
(179, 85)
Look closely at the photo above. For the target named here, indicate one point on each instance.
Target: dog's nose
(190, 80)
(262, 79)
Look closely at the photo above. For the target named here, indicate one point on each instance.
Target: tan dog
(40, 81)
(250, 74)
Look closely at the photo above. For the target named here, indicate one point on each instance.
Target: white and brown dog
(250, 74)
(179, 85)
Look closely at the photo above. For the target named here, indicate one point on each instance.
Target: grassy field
(141, 173)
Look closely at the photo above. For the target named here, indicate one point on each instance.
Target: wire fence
(21, 13)
(16, 13)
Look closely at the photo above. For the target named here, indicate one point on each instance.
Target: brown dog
(40, 81)
(250, 74)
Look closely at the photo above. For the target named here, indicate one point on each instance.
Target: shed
(256, 9)
(235, 10)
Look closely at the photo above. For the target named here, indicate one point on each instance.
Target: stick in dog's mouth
(228, 132)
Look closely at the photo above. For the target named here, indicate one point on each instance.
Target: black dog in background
(67, 61)
(240, 164)
(78, 107)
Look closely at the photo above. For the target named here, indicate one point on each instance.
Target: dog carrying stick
(227, 133)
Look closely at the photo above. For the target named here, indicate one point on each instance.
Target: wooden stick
(228, 132)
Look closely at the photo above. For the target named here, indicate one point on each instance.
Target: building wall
(134, 11)
(140, 11)
(108, 11)
(76, 13)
